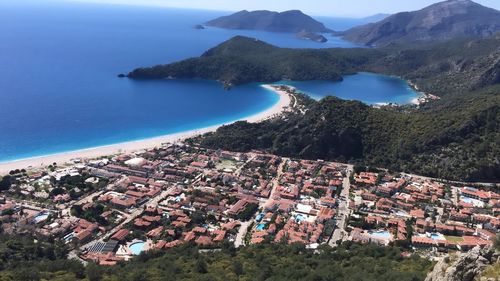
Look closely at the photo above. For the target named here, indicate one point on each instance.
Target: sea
(59, 62)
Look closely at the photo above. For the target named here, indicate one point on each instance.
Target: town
(113, 208)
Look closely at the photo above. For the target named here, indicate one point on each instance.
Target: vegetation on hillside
(256, 262)
(242, 60)
(455, 142)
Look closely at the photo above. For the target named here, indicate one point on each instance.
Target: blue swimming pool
(299, 218)
(259, 217)
(380, 234)
(260, 226)
(137, 247)
(437, 236)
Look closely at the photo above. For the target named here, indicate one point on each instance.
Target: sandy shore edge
(132, 146)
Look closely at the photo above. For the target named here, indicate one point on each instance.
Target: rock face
(442, 21)
(289, 21)
(466, 267)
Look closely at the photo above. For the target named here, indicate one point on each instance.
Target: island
(306, 35)
(293, 21)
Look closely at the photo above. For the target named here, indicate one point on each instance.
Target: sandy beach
(128, 147)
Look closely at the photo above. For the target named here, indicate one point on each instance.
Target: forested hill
(241, 60)
(441, 69)
(288, 21)
(456, 139)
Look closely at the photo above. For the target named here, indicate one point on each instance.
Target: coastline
(132, 146)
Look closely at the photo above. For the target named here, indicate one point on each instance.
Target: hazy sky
(358, 8)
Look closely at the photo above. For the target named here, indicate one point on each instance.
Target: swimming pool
(259, 217)
(260, 226)
(437, 236)
(380, 234)
(299, 218)
(41, 217)
(137, 247)
(466, 199)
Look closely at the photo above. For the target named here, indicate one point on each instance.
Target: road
(454, 195)
(276, 181)
(484, 184)
(240, 237)
(242, 232)
(343, 211)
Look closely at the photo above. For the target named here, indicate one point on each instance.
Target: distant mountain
(445, 20)
(375, 18)
(289, 21)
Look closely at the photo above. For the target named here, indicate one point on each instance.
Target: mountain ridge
(441, 21)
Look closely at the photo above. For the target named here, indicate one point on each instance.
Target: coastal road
(343, 212)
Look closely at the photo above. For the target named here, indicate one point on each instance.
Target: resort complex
(113, 208)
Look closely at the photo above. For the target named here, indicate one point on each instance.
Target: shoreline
(148, 143)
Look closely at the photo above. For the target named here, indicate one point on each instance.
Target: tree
(496, 243)
(237, 268)
(93, 272)
(5, 183)
(201, 265)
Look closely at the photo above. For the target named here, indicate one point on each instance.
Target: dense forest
(457, 137)
(455, 142)
(24, 260)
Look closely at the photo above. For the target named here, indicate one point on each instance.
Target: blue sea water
(370, 88)
(58, 85)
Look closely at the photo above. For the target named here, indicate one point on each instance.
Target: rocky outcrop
(464, 267)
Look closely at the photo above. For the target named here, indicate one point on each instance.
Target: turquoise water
(299, 218)
(466, 199)
(58, 86)
(370, 88)
(260, 226)
(380, 234)
(137, 248)
(437, 236)
(259, 217)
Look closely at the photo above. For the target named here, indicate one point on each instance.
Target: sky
(343, 8)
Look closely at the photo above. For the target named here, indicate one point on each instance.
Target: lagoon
(370, 88)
